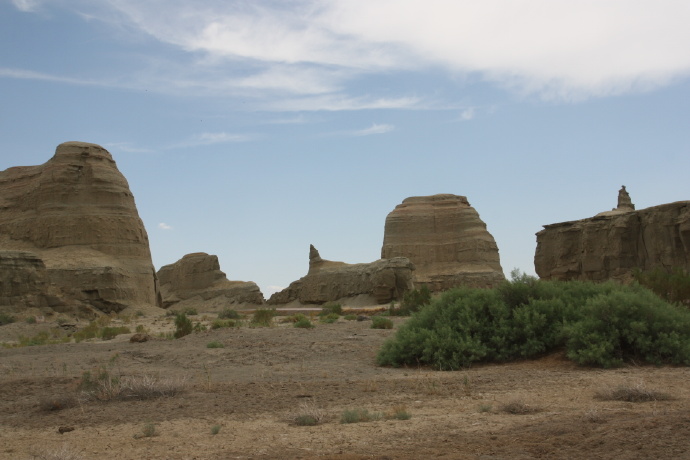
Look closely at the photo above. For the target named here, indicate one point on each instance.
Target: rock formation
(384, 280)
(84, 245)
(197, 280)
(612, 244)
(445, 239)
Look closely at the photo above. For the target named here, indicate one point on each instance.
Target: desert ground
(249, 392)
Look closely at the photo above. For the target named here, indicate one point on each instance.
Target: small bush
(263, 317)
(304, 323)
(215, 344)
(359, 415)
(485, 408)
(350, 317)
(147, 431)
(399, 413)
(519, 408)
(379, 322)
(183, 325)
(219, 323)
(31, 320)
(632, 393)
(108, 333)
(6, 318)
(215, 429)
(330, 318)
(229, 313)
(198, 327)
(308, 414)
(331, 308)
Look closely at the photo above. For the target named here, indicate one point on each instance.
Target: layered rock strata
(76, 215)
(326, 281)
(197, 280)
(443, 236)
(612, 244)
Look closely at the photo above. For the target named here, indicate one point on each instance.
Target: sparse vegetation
(215, 344)
(31, 320)
(632, 393)
(220, 323)
(141, 329)
(331, 309)
(329, 318)
(518, 407)
(183, 325)
(147, 431)
(108, 333)
(350, 317)
(308, 414)
(263, 317)
(359, 415)
(598, 324)
(103, 385)
(412, 301)
(485, 408)
(62, 453)
(229, 313)
(399, 413)
(379, 322)
(6, 318)
(304, 323)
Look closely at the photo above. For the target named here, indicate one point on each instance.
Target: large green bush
(672, 285)
(600, 324)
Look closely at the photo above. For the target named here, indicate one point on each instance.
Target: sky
(250, 129)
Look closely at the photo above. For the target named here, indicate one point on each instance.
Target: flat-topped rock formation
(197, 281)
(612, 244)
(443, 236)
(384, 280)
(75, 217)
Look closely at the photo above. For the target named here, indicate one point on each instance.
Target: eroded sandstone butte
(384, 280)
(612, 244)
(443, 236)
(81, 239)
(197, 281)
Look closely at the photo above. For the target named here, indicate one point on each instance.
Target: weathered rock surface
(326, 281)
(612, 244)
(443, 236)
(76, 215)
(197, 278)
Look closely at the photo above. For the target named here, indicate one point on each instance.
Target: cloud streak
(374, 129)
(312, 54)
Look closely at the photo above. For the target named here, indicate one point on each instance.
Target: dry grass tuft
(518, 407)
(63, 453)
(632, 393)
(308, 414)
(136, 387)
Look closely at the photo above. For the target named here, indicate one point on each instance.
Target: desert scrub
(102, 384)
(263, 317)
(331, 308)
(215, 429)
(229, 313)
(399, 413)
(329, 318)
(147, 431)
(220, 323)
(631, 393)
(602, 324)
(108, 332)
(412, 301)
(55, 336)
(215, 344)
(359, 415)
(350, 317)
(6, 318)
(304, 323)
(518, 407)
(379, 322)
(183, 325)
(307, 414)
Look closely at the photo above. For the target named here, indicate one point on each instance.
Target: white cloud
(375, 129)
(312, 53)
(467, 114)
(164, 226)
(28, 6)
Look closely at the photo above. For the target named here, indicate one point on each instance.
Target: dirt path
(252, 387)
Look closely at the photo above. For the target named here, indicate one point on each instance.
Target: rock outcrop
(197, 280)
(612, 244)
(384, 280)
(443, 236)
(76, 222)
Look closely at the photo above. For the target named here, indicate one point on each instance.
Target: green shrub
(350, 317)
(263, 317)
(108, 333)
(198, 327)
(215, 344)
(599, 324)
(673, 286)
(330, 318)
(331, 308)
(379, 322)
(359, 415)
(183, 325)
(215, 429)
(6, 318)
(412, 301)
(31, 320)
(229, 313)
(304, 323)
(219, 323)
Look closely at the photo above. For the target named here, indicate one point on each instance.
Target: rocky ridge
(612, 244)
(71, 230)
(445, 239)
(384, 280)
(197, 281)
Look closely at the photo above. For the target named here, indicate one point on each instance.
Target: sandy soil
(253, 386)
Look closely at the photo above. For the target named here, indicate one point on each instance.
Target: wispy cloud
(164, 226)
(374, 129)
(315, 53)
(467, 114)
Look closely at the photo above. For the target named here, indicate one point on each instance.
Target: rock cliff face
(76, 215)
(197, 279)
(443, 236)
(612, 244)
(326, 281)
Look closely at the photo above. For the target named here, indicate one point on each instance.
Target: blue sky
(251, 129)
